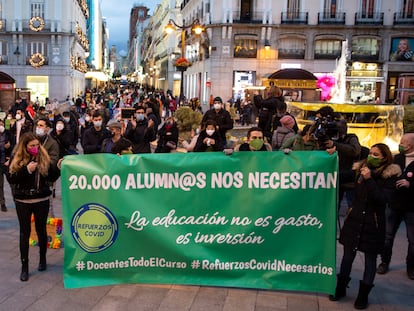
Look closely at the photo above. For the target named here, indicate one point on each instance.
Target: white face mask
(97, 123)
(87, 118)
(217, 106)
(2, 128)
(60, 126)
(18, 116)
(210, 132)
(40, 131)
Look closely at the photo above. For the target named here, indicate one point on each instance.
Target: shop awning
(97, 75)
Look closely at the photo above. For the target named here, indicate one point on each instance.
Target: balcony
(4, 59)
(294, 17)
(330, 18)
(291, 53)
(327, 55)
(401, 18)
(35, 27)
(364, 56)
(369, 18)
(248, 17)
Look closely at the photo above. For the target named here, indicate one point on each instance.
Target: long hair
(386, 153)
(22, 157)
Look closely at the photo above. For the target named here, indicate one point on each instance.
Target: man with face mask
(140, 131)
(42, 130)
(71, 123)
(21, 126)
(109, 144)
(402, 209)
(94, 136)
(221, 116)
(255, 141)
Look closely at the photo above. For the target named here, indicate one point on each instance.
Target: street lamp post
(169, 28)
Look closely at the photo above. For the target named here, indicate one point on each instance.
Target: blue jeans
(394, 219)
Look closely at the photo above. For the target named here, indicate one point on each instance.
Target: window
(291, 47)
(368, 8)
(293, 5)
(36, 47)
(245, 46)
(364, 48)
(331, 7)
(37, 8)
(246, 10)
(3, 48)
(328, 48)
(406, 8)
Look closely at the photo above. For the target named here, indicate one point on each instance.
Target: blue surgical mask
(140, 117)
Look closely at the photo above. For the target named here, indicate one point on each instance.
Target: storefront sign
(290, 84)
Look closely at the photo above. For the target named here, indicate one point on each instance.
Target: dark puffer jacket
(364, 227)
(26, 186)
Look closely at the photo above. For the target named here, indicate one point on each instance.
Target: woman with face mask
(167, 137)
(209, 138)
(30, 173)
(364, 226)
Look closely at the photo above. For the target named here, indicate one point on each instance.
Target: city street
(44, 290)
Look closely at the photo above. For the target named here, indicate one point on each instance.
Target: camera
(325, 128)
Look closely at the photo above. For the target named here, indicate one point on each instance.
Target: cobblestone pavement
(44, 291)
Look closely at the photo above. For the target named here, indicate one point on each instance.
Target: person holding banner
(30, 173)
(364, 226)
(255, 141)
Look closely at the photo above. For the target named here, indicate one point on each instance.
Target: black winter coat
(202, 147)
(222, 118)
(92, 140)
(166, 137)
(405, 196)
(364, 227)
(140, 136)
(32, 186)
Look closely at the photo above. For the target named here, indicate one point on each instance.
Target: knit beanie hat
(287, 121)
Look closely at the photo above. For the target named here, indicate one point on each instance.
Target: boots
(42, 262)
(341, 285)
(24, 276)
(362, 300)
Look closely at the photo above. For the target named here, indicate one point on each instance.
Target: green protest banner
(252, 219)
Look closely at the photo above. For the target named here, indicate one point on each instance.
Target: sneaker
(410, 273)
(3, 208)
(382, 268)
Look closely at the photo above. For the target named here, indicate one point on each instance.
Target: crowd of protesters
(135, 121)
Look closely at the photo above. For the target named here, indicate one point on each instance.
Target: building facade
(43, 47)
(247, 40)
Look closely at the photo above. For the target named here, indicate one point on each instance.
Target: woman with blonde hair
(30, 174)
